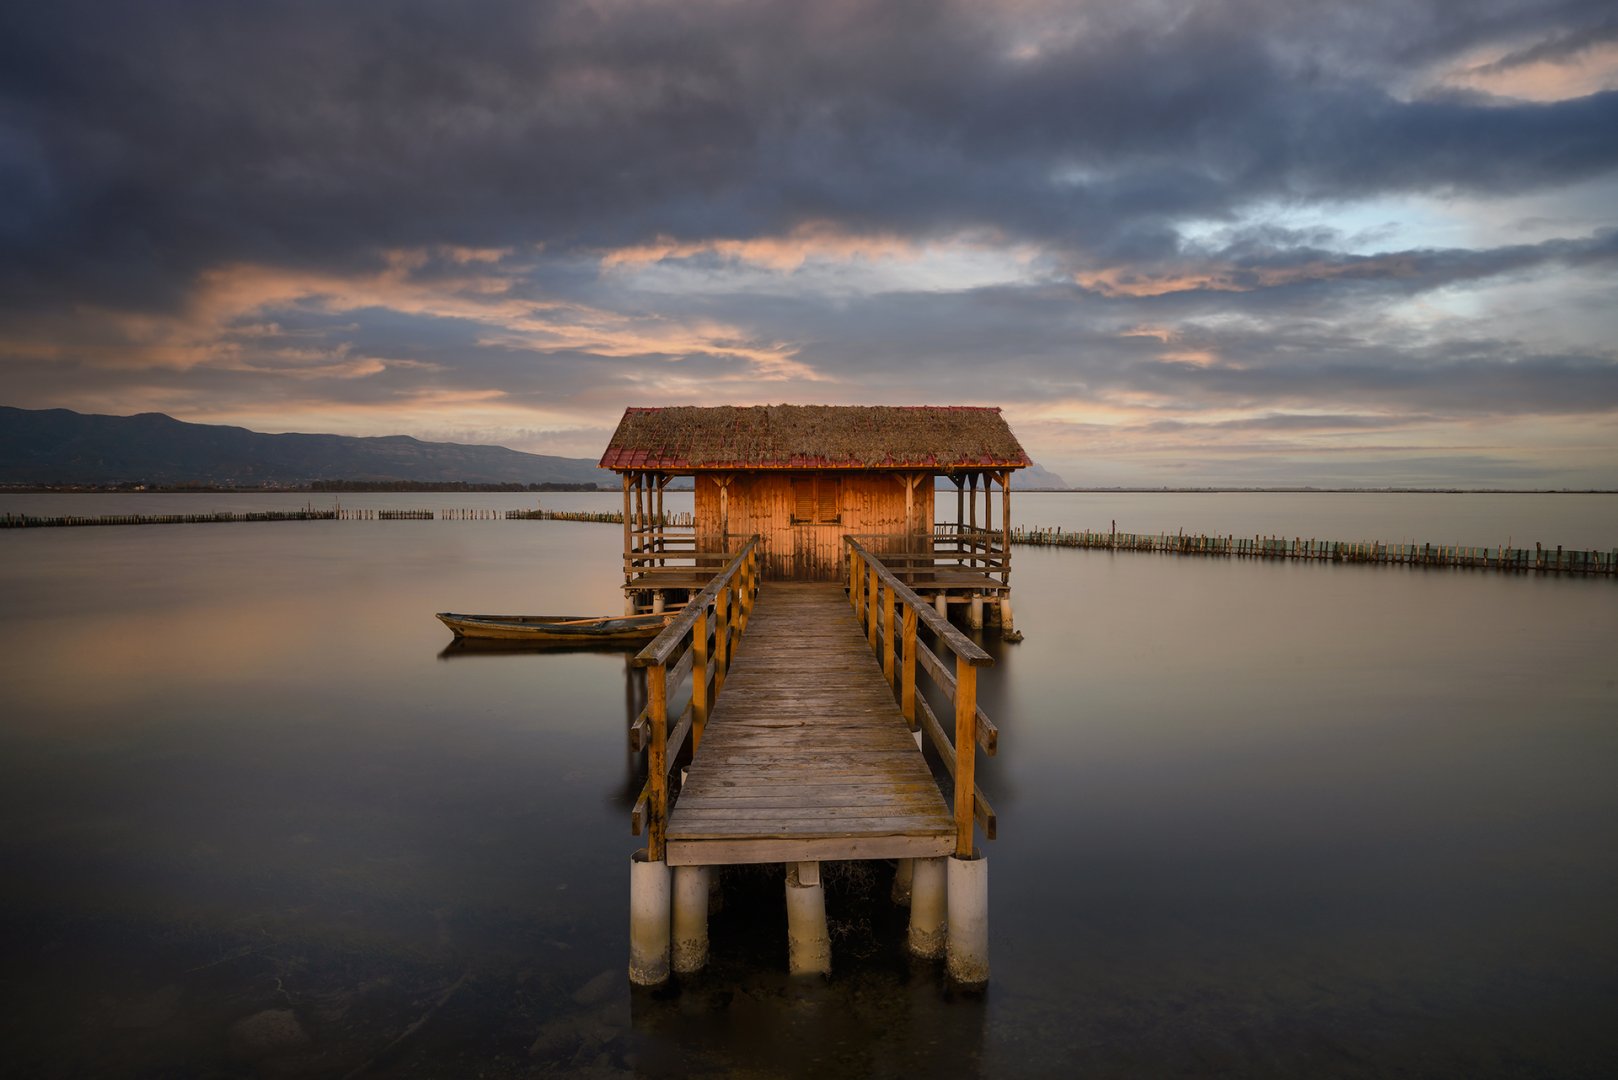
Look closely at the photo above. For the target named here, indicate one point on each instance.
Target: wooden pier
(807, 756)
(807, 711)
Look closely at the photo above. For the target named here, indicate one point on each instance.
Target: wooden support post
(699, 679)
(629, 540)
(721, 640)
(749, 586)
(972, 514)
(910, 509)
(887, 634)
(871, 603)
(988, 506)
(853, 585)
(657, 770)
(1005, 529)
(966, 742)
(907, 668)
(724, 511)
(640, 512)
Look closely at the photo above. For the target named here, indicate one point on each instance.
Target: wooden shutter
(816, 500)
(826, 499)
(803, 499)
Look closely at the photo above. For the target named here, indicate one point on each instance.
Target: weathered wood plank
(806, 756)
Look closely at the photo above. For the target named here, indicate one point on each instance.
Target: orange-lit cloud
(1559, 78)
(1214, 276)
(817, 241)
(229, 323)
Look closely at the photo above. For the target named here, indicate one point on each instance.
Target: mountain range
(59, 446)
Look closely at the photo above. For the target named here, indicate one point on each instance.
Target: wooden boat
(556, 629)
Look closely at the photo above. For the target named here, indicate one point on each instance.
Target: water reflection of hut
(802, 477)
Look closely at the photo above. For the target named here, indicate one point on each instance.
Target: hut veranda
(802, 477)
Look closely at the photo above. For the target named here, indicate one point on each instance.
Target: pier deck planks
(806, 756)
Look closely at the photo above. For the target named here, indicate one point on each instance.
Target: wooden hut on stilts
(802, 477)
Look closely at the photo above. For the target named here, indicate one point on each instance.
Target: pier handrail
(697, 642)
(892, 612)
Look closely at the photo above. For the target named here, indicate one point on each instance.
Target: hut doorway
(817, 527)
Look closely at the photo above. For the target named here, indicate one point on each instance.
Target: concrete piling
(928, 907)
(690, 946)
(808, 941)
(968, 949)
(648, 921)
(903, 873)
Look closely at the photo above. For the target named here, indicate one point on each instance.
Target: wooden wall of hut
(802, 517)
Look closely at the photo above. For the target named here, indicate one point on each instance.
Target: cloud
(526, 215)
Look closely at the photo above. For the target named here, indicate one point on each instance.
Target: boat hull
(554, 629)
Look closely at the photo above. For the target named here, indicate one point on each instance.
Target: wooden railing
(671, 553)
(893, 614)
(979, 553)
(697, 644)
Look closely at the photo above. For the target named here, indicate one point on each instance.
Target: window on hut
(815, 500)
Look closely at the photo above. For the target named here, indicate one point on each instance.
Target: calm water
(1256, 819)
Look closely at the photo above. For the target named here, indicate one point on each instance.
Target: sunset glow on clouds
(1241, 242)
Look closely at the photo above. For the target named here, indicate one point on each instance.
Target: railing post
(966, 743)
(907, 668)
(887, 634)
(721, 639)
(657, 772)
(871, 603)
(856, 585)
(699, 678)
(749, 590)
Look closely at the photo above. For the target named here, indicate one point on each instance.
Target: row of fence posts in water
(1538, 557)
(340, 513)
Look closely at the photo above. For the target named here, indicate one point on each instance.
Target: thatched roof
(813, 437)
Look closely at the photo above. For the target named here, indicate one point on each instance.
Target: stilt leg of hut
(968, 953)
(690, 918)
(657, 602)
(928, 906)
(974, 618)
(941, 603)
(902, 875)
(808, 942)
(1008, 631)
(648, 921)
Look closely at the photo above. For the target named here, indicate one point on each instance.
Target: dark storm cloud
(142, 143)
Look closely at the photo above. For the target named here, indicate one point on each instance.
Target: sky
(1240, 242)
